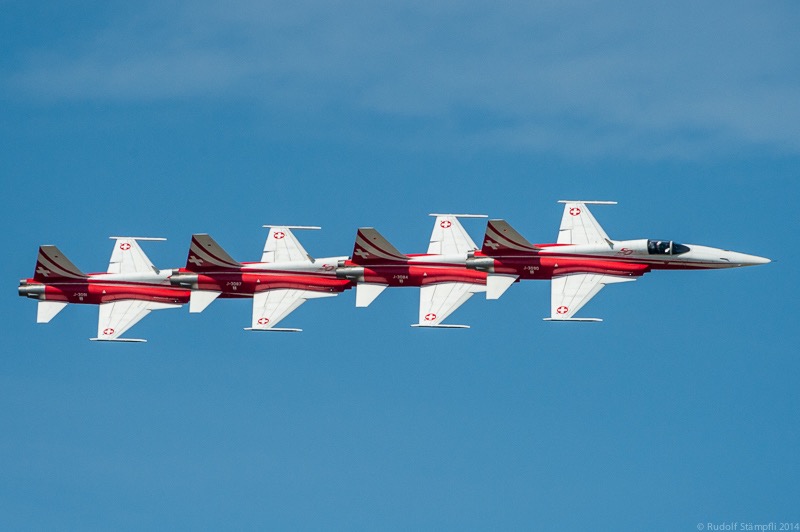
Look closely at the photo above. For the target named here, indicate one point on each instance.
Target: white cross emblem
(194, 260)
(41, 270)
(361, 253)
(490, 244)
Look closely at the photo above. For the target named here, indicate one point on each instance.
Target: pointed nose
(744, 259)
(755, 260)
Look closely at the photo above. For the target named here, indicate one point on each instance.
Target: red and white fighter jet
(445, 284)
(125, 294)
(585, 259)
(285, 278)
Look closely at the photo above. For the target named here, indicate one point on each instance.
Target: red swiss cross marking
(263, 321)
(430, 316)
(124, 246)
(575, 211)
(562, 309)
(108, 331)
(445, 224)
(279, 235)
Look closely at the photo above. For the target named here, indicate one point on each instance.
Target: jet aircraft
(126, 293)
(283, 280)
(584, 259)
(444, 282)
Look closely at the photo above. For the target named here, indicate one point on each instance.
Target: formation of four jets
(582, 261)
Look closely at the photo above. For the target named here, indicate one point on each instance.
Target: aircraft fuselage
(94, 291)
(631, 258)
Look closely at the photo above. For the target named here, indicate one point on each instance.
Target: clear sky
(168, 118)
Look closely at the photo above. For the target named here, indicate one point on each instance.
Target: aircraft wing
(271, 306)
(283, 246)
(578, 226)
(128, 256)
(437, 301)
(449, 237)
(569, 293)
(117, 317)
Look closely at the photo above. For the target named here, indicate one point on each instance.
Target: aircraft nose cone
(750, 260)
(755, 260)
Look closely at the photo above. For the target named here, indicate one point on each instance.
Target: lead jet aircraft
(126, 293)
(285, 278)
(445, 284)
(585, 259)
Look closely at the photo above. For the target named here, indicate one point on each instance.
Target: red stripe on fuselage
(96, 292)
(245, 284)
(418, 275)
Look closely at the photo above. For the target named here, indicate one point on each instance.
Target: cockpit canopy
(665, 247)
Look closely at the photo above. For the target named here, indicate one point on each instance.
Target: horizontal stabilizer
(371, 247)
(367, 292)
(53, 265)
(502, 239)
(200, 299)
(498, 283)
(205, 254)
(46, 310)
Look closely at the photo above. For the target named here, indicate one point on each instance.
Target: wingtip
(148, 238)
(590, 202)
(459, 215)
(123, 340)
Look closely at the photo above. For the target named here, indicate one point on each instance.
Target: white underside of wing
(438, 301)
(119, 316)
(271, 306)
(569, 293)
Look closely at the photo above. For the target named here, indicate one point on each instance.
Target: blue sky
(168, 118)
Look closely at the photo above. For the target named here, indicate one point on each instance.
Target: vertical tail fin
(205, 254)
(371, 246)
(502, 239)
(53, 265)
